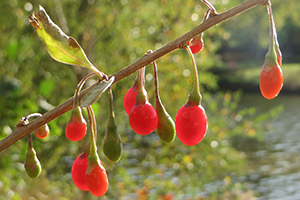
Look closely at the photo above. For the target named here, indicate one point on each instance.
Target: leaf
(92, 96)
(61, 47)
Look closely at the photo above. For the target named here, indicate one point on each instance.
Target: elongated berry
(96, 179)
(191, 120)
(271, 81)
(95, 175)
(191, 124)
(165, 126)
(76, 127)
(143, 118)
(42, 132)
(32, 164)
(271, 78)
(112, 145)
(78, 171)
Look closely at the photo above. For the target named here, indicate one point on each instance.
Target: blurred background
(251, 150)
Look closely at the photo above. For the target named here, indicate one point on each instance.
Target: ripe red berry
(76, 127)
(271, 78)
(191, 124)
(143, 118)
(75, 131)
(130, 98)
(96, 180)
(78, 171)
(196, 44)
(271, 81)
(42, 132)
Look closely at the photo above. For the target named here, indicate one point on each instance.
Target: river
(275, 168)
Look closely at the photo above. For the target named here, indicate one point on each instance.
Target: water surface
(275, 172)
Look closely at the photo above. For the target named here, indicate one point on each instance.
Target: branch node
(23, 121)
(181, 45)
(266, 3)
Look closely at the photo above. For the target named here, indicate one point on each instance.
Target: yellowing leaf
(61, 47)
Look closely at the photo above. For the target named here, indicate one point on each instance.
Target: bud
(165, 126)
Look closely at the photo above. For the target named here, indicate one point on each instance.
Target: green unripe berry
(166, 126)
(32, 164)
(112, 145)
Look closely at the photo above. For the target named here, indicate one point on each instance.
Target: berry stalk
(141, 96)
(211, 7)
(273, 35)
(93, 156)
(78, 89)
(195, 96)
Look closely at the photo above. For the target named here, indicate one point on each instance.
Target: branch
(23, 131)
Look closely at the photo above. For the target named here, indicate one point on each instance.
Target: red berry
(197, 44)
(130, 99)
(96, 180)
(78, 171)
(143, 118)
(191, 124)
(75, 131)
(42, 132)
(271, 81)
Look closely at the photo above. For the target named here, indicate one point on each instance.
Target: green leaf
(61, 47)
(93, 95)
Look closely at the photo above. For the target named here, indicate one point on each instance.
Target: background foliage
(115, 34)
